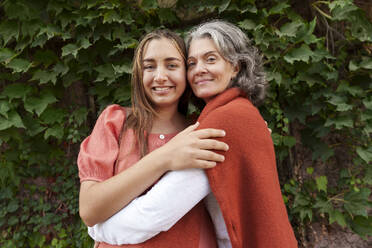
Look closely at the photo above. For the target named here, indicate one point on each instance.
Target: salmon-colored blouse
(97, 162)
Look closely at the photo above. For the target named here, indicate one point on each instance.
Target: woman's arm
(192, 149)
(158, 210)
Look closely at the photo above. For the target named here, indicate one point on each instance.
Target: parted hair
(234, 46)
(142, 113)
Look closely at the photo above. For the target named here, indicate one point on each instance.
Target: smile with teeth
(162, 88)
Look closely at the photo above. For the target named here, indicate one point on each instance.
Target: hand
(268, 127)
(191, 149)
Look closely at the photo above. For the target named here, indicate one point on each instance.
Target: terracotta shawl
(246, 184)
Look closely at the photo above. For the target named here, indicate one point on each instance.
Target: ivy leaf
(112, 16)
(39, 104)
(356, 202)
(337, 216)
(223, 6)
(33, 126)
(46, 57)
(105, 72)
(247, 24)
(4, 108)
(53, 115)
(302, 53)
(289, 29)
(8, 30)
(167, 16)
(121, 69)
(365, 154)
(70, 49)
(362, 226)
(55, 131)
(321, 183)
(289, 141)
(149, 4)
(44, 77)
(366, 64)
(6, 55)
(16, 90)
(13, 120)
(279, 8)
(340, 122)
(19, 65)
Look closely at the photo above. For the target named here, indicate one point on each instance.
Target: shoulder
(239, 111)
(112, 117)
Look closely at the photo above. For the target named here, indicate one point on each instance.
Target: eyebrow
(205, 54)
(166, 59)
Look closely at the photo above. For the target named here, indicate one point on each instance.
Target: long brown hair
(140, 119)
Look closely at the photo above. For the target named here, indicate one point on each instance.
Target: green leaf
(39, 104)
(44, 77)
(13, 120)
(356, 202)
(289, 29)
(366, 64)
(321, 183)
(53, 115)
(337, 216)
(365, 154)
(8, 30)
(112, 16)
(19, 65)
(33, 126)
(247, 24)
(289, 141)
(55, 131)
(302, 53)
(310, 170)
(6, 55)
(340, 122)
(167, 16)
(4, 108)
(149, 4)
(105, 72)
(70, 49)
(16, 90)
(12, 206)
(279, 8)
(362, 226)
(223, 6)
(121, 69)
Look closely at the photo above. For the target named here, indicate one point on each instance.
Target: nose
(160, 75)
(200, 68)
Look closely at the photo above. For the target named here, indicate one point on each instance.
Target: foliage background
(62, 62)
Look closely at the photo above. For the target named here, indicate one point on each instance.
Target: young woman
(127, 151)
(225, 71)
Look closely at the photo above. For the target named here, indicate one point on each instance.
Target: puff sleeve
(99, 151)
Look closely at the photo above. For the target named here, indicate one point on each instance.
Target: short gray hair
(235, 47)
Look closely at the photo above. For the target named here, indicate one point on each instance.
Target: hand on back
(192, 149)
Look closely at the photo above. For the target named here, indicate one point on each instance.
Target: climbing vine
(62, 62)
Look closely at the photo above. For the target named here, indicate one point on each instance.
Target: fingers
(211, 144)
(209, 156)
(204, 164)
(209, 133)
(191, 128)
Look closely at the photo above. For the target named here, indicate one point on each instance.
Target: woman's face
(164, 71)
(208, 72)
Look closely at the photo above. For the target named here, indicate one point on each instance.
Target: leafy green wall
(62, 62)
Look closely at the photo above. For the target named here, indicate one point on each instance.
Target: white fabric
(223, 239)
(175, 194)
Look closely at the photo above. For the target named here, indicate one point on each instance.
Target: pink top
(99, 152)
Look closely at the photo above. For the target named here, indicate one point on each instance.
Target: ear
(236, 69)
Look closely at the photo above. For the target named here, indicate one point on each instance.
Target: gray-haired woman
(246, 205)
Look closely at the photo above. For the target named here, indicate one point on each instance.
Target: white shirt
(175, 194)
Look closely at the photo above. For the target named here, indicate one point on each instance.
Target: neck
(168, 120)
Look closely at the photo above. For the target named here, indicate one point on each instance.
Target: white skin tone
(208, 72)
(164, 83)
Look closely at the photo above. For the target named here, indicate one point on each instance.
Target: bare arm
(192, 149)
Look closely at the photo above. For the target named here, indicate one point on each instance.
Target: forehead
(201, 46)
(160, 49)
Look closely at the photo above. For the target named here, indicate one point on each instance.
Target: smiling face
(208, 72)
(164, 71)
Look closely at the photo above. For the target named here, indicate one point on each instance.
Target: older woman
(246, 205)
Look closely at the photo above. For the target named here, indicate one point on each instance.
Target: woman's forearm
(119, 190)
(158, 210)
